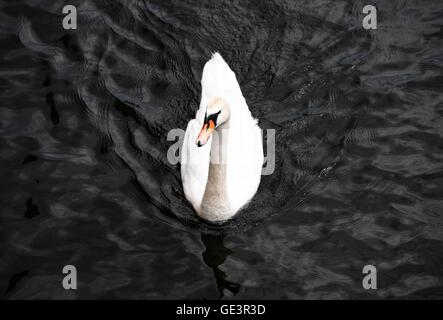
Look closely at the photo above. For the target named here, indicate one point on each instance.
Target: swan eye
(212, 117)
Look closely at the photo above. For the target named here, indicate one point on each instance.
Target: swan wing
(194, 165)
(245, 160)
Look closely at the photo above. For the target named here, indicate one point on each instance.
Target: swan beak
(205, 133)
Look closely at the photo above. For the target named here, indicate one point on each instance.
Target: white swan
(222, 153)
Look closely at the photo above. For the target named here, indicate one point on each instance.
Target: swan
(222, 152)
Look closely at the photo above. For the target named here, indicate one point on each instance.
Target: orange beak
(205, 133)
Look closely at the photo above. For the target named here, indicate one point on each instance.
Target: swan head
(217, 113)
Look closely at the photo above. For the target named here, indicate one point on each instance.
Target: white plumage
(244, 145)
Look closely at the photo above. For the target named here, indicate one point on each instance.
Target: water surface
(84, 117)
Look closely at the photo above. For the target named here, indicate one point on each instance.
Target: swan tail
(218, 79)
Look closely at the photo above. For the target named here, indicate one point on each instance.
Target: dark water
(84, 116)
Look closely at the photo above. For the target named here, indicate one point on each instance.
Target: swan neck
(215, 202)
